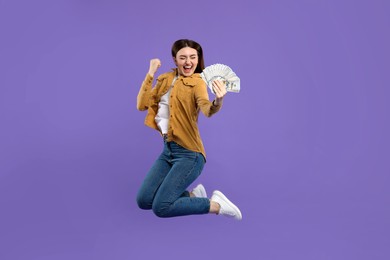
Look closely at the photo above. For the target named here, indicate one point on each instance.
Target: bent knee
(143, 203)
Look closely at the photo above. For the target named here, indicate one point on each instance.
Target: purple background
(303, 149)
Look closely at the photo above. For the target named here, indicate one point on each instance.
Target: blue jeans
(164, 187)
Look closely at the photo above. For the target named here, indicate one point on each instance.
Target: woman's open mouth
(187, 69)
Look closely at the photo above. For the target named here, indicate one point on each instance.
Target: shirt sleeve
(144, 93)
(202, 100)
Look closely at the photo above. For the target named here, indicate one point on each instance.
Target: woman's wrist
(217, 102)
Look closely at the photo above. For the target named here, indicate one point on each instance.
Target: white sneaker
(227, 207)
(199, 191)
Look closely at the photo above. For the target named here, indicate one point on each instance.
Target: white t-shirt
(162, 117)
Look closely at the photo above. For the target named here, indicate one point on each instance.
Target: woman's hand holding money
(220, 91)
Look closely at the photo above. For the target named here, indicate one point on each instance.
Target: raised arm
(146, 87)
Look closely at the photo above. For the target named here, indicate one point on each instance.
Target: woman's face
(186, 61)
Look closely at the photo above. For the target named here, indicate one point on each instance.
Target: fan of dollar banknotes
(223, 73)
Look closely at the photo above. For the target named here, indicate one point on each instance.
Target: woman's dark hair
(180, 44)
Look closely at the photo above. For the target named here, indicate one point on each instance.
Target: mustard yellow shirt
(188, 96)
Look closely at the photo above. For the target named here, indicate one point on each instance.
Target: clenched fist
(154, 65)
